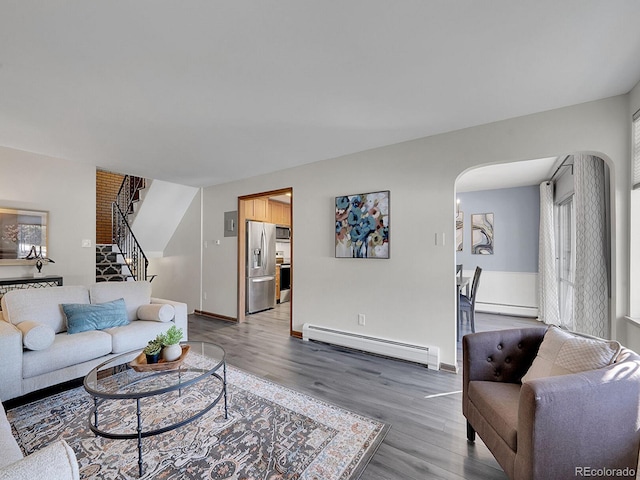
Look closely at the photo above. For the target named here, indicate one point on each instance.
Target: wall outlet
(204, 295)
(361, 319)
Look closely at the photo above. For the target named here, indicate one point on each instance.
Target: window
(636, 150)
(566, 261)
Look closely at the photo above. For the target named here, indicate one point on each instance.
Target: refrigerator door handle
(263, 246)
(262, 279)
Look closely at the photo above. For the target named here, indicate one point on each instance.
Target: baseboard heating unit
(429, 356)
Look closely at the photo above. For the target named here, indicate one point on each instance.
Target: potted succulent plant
(152, 351)
(170, 340)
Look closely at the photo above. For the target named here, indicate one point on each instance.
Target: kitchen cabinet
(287, 214)
(277, 283)
(280, 213)
(257, 209)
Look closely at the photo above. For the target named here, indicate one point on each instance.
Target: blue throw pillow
(97, 316)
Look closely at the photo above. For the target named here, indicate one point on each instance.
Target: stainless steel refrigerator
(261, 266)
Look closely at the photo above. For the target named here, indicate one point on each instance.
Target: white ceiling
(507, 175)
(207, 91)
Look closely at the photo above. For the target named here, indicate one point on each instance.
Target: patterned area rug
(272, 433)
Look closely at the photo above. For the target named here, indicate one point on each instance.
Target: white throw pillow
(158, 312)
(36, 336)
(563, 352)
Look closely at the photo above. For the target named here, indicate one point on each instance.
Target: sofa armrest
(11, 361)
(589, 420)
(181, 316)
(53, 462)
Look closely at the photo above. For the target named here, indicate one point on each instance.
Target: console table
(18, 283)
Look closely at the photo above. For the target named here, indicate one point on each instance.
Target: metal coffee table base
(140, 433)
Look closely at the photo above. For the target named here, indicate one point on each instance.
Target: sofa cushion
(42, 305)
(66, 350)
(157, 312)
(97, 316)
(135, 335)
(9, 450)
(134, 294)
(36, 336)
(563, 352)
(498, 403)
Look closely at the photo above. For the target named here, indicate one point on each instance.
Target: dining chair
(459, 270)
(467, 304)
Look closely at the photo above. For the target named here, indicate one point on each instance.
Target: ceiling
(507, 175)
(205, 92)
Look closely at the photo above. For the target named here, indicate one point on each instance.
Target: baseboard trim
(217, 316)
(448, 368)
(502, 309)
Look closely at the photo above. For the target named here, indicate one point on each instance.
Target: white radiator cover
(429, 356)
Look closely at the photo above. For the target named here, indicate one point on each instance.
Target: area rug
(272, 433)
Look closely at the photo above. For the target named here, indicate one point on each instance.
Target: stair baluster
(122, 235)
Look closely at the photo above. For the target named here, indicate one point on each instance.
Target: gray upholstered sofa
(36, 351)
(53, 462)
(557, 427)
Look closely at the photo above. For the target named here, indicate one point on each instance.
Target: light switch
(86, 243)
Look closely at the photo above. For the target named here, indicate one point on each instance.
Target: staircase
(110, 265)
(123, 259)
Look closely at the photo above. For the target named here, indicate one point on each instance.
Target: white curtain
(548, 311)
(591, 296)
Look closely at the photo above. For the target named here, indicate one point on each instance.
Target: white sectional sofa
(37, 351)
(56, 461)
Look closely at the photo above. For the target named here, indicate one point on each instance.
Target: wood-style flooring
(427, 439)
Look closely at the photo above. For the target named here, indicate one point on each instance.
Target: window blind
(636, 150)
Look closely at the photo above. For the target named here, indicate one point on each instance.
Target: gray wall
(516, 225)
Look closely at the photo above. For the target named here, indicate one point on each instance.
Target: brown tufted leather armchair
(559, 427)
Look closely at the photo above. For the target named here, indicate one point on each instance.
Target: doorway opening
(509, 289)
(265, 256)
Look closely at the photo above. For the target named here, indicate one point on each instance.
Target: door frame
(242, 222)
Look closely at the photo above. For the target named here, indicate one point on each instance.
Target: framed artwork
(482, 233)
(362, 225)
(22, 231)
(459, 230)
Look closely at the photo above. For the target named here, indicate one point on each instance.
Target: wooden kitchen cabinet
(257, 209)
(286, 214)
(280, 213)
(277, 283)
(277, 212)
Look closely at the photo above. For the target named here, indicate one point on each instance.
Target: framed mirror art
(22, 232)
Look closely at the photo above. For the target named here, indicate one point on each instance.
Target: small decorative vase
(153, 358)
(171, 352)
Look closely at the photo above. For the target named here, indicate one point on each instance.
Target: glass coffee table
(114, 385)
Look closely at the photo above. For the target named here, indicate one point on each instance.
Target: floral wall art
(362, 225)
(482, 233)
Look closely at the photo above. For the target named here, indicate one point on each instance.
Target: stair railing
(121, 232)
(129, 193)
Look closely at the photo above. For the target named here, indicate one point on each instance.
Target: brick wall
(107, 186)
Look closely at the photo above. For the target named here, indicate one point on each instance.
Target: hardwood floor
(427, 439)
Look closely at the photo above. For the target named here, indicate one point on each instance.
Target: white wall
(161, 208)
(411, 296)
(178, 270)
(67, 190)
